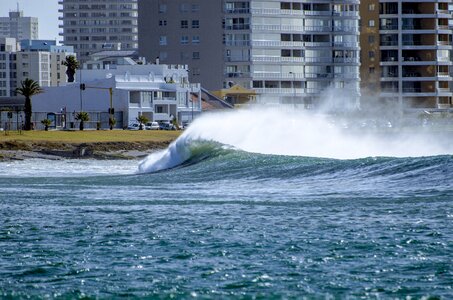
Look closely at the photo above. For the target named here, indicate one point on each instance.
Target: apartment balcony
(289, 91)
(164, 101)
(290, 28)
(346, 29)
(278, 44)
(237, 43)
(237, 27)
(346, 60)
(237, 11)
(278, 59)
(287, 76)
(237, 75)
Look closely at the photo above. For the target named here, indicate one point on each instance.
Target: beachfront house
(160, 92)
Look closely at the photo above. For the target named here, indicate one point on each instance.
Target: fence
(12, 120)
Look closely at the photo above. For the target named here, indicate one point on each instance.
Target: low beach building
(159, 92)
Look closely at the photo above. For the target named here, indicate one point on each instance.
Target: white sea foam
(297, 133)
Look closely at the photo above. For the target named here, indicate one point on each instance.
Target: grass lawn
(90, 136)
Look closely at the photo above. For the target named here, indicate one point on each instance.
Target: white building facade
(159, 92)
(19, 27)
(42, 64)
(96, 25)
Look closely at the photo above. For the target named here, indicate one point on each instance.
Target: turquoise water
(236, 212)
(230, 224)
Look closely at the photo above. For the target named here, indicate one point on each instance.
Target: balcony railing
(389, 27)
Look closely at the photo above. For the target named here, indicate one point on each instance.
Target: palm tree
(82, 117)
(28, 88)
(142, 119)
(46, 123)
(112, 122)
(72, 65)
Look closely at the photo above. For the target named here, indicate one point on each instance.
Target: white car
(133, 126)
(152, 126)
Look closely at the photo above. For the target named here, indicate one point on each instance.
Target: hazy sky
(45, 10)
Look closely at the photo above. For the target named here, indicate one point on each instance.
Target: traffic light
(82, 86)
(111, 111)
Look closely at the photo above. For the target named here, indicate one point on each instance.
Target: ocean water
(236, 209)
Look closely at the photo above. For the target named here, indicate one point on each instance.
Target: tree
(112, 122)
(46, 123)
(28, 88)
(142, 119)
(72, 65)
(82, 117)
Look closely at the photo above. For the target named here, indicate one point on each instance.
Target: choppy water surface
(228, 223)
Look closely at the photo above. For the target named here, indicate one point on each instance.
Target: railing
(346, 44)
(389, 27)
(237, 11)
(389, 43)
(237, 43)
(237, 74)
(237, 27)
(278, 76)
(277, 44)
(277, 59)
(390, 58)
(345, 60)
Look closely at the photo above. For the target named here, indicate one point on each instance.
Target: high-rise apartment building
(406, 52)
(288, 51)
(19, 27)
(97, 25)
(39, 60)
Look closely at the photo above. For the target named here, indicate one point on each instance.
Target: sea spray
(297, 133)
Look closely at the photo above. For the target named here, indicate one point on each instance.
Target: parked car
(167, 126)
(133, 126)
(152, 126)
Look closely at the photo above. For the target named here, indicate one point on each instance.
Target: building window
(184, 24)
(371, 70)
(185, 56)
(163, 40)
(195, 39)
(371, 39)
(195, 24)
(184, 40)
(163, 56)
(371, 23)
(184, 7)
(371, 7)
(196, 55)
(195, 7)
(162, 22)
(162, 8)
(196, 71)
(371, 54)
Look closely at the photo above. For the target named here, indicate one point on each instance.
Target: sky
(45, 10)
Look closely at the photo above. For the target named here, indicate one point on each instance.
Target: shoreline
(21, 150)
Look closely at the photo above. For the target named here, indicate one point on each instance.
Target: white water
(296, 133)
(65, 168)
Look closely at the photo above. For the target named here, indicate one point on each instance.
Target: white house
(160, 92)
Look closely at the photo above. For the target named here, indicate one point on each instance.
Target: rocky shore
(19, 150)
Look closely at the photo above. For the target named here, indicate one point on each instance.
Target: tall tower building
(406, 52)
(19, 27)
(97, 25)
(288, 51)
